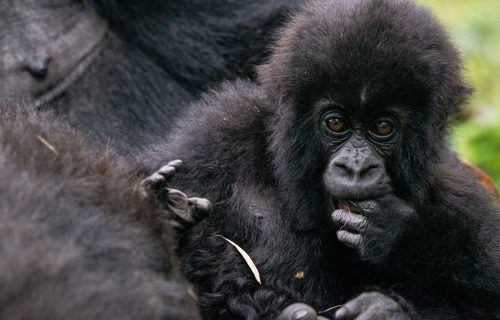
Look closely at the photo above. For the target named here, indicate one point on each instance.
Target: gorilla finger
(354, 221)
(160, 178)
(151, 184)
(200, 208)
(177, 164)
(350, 310)
(298, 311)
(373, 313)
(369, 315)
(368, 206)
(350, 239)
(168, 172)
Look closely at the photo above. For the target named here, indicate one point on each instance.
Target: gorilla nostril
(370, 169)
(356, 170)
(344, 168)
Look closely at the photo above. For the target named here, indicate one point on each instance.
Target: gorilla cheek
(356, 173)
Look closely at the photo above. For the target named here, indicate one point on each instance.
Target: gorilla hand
(373, 306)
(181, 211)
(299, 311)
(373, 226)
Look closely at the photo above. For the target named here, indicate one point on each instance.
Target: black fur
(254, 150)
(155, 58)
(77, 239)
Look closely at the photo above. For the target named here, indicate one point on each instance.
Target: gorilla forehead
(360, 50)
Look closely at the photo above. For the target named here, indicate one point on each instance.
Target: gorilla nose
(357, 178)
(356, 173)
(357, 170)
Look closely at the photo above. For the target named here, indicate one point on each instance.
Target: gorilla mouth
(347, 205)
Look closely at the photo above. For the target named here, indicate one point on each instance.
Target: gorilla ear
(452, 100)
(450, 103)
(458, 99)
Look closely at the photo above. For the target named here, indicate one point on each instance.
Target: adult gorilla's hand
(299, 311)
(372, 227)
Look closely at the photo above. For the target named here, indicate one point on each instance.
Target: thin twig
(48, 145)
(330, 309)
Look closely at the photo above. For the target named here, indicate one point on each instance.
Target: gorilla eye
(383, 128)
(336, 124)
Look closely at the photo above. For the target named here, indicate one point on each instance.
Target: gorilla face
(370, 131)
(363, 134)
(38, 46)
(356, 169)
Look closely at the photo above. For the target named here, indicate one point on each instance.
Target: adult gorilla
(334, 174)
(81, 237)
(122, 70)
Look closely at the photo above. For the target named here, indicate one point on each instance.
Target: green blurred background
(475, 27)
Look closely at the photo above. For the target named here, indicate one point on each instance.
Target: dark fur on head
(76, 239)
(389, 50)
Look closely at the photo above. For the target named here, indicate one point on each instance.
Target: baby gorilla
(334, 174)
(81, 237)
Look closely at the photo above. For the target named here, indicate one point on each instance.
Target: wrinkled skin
(37, 48)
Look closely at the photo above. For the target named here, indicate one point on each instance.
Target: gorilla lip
(348, 205)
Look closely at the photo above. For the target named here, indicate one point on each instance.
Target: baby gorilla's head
(368, 85)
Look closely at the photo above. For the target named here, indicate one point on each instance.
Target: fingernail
(341, 313)
(300, 314)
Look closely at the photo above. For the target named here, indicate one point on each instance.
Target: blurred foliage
(475, 28)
